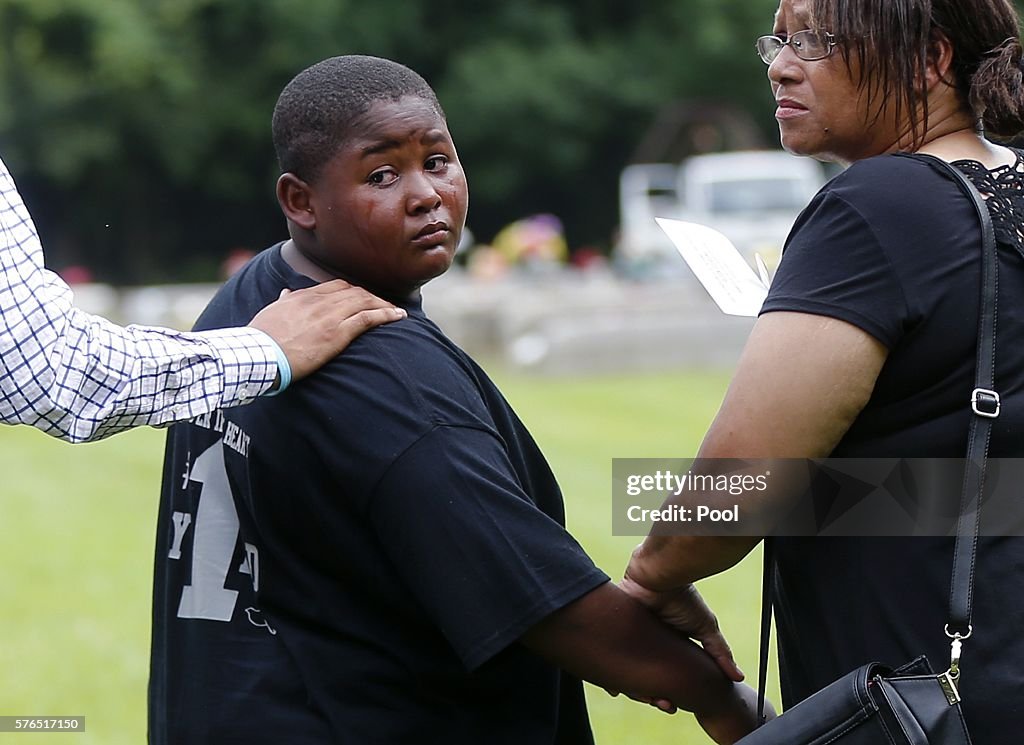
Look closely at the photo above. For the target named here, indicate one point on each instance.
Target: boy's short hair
(316, 110)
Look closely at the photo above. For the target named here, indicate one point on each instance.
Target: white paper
(762, 270)
(728, 278)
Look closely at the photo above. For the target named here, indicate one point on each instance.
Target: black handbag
(911, 705)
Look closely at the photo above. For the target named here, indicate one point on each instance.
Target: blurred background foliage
(138, 130)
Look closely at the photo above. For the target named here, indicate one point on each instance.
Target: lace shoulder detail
(1003, 188)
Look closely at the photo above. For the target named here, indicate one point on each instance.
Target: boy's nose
(422, 195)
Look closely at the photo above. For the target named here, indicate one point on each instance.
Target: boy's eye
(382, 177)
(436, 163)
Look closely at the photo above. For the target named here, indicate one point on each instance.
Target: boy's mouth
(432, 235)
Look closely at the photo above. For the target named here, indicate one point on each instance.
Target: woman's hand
(685, 610)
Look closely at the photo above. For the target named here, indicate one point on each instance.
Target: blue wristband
(284, 370)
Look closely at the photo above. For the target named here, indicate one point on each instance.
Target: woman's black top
(893, 247)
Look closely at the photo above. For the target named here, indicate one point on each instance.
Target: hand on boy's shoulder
(316, 324)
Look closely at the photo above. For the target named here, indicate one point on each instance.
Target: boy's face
(390, 206)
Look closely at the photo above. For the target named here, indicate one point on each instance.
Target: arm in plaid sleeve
(79, 377)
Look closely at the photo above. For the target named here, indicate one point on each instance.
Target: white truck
(753, 197)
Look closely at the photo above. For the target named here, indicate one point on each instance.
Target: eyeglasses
(808, 45)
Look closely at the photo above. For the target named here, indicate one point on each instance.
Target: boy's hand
(315, 324)
(736, 717)
(685, 610)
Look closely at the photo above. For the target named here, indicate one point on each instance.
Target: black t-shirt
(892, 246)
(401, 531)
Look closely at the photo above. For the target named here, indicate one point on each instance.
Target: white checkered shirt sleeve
(80, 377)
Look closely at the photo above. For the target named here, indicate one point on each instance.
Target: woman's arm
(801, 381)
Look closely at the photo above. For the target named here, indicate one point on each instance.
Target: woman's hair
(316, 111)
(893, 39)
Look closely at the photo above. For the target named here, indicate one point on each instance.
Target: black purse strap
(768, 561)
(985, 405)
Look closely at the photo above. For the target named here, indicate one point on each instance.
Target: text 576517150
(42, 724)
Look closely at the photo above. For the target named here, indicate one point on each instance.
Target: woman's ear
(293, 194)
(940, 61)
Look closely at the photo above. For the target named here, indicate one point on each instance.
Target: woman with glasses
(865, 346)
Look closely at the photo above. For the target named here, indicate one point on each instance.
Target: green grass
(76, 544)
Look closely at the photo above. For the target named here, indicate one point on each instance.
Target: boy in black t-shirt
(379, 555)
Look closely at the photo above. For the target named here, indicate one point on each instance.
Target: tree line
(139, 130)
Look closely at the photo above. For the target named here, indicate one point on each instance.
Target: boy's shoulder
(413, 350)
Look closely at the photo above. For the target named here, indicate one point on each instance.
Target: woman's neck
(967, 144)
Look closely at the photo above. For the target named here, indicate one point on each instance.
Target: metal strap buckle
(985, 403)
(949, 679)
(948, 684)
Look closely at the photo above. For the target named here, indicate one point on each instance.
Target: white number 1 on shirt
(213, 543)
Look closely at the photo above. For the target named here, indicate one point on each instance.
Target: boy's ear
(293, 194)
